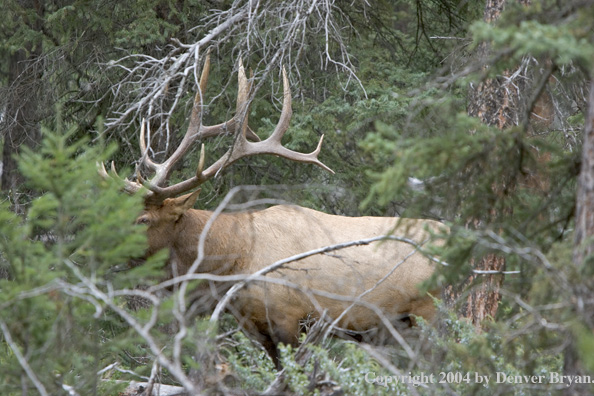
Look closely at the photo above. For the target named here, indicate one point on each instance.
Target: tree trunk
(583, 249)
(495, 103)
(20, 126)
(584, 222)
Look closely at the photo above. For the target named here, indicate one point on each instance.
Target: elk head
(163, 205)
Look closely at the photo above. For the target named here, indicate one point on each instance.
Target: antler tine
(241, 148)
(243, 90)
(102, 171)
(194, 132)
(242, 110)
(143, 148)
(195, 126)
(130, 187)
(286, 112)
(200, 161)
(273, 145)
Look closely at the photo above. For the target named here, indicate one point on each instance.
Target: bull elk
(368, 281)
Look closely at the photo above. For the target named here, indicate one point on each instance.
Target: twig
(22, 361)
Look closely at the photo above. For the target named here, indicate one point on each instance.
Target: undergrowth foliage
(56, 334)
(66, 322)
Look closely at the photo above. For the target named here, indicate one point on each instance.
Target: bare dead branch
(277, 31)
(22, 361)
(174, 367)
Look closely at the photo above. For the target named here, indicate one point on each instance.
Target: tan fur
(242, 243)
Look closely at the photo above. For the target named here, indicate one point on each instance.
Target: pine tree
(59, 258)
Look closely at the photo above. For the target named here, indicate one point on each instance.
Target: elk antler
(238, 125)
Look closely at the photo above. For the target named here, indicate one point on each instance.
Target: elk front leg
(271, 334)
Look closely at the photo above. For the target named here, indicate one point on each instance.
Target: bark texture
(495, 102)
(584, 221)
(20, 99)
(583, 251)
(20, 128)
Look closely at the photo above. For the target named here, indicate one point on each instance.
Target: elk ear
(187, 201)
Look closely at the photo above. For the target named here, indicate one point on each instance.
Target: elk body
(358, 286)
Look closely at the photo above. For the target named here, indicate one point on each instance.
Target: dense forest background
(479, 114)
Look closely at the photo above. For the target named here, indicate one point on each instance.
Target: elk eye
(143, 220)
